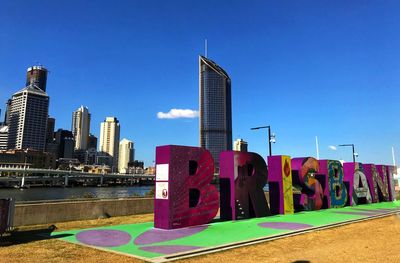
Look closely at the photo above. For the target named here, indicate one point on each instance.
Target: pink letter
(183, 193)
(336, 190)
(357, 184)
(280, 184)
(391, 171)
(242, 178)
(304, 171)
(377, 184)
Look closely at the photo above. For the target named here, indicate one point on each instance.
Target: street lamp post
(271, 138)
(66, 175)
(23, 176)
(102, 175)
(352, 146)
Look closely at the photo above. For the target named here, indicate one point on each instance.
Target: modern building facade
(37, 75)
(51, 144)
(92, 144)
(240, 145)
(51, 123)
(28, 158)
(215, 108)
(109, 139)
(7, 113)
(66, 143)
(81, 127)
(28, 114)
(126, 155)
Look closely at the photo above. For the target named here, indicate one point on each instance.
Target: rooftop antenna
(205, 47)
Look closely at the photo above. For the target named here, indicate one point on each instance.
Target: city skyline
(307, 69)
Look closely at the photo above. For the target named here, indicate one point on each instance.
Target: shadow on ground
(17, 237)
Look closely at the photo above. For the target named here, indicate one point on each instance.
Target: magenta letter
(183, 193)
(242, 178)
(304, 171)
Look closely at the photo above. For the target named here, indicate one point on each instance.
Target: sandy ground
(370, 241)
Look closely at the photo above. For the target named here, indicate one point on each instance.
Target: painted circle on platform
(285, 225)
(160, 235)
(104, 238)
(169, 249)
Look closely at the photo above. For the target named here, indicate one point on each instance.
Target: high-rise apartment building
(109, 139)
(37, 75)
(28, 119)
(81, 127)
(126, 155)
(215, 108)
(240, 145)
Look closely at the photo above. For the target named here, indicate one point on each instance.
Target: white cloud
(178, 113)
(333, 148)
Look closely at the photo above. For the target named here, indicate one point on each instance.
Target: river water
(57, 193)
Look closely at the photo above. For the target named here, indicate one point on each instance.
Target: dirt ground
(369, 241)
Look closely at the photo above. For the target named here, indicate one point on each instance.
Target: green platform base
(145, 242)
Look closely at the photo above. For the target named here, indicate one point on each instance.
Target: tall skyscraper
(28, 119)
(126, 155)
(81, 127)
(37, 75)
(109, 138)
(215, 108)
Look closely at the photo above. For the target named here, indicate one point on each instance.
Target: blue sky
(307, 68)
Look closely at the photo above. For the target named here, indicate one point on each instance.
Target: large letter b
(183, 193)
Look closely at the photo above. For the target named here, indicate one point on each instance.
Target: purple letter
(392, 170)
(183, 193)
(336, 189)
(304, 171)
(242, 178)
(354, 177)
(280, 185)
(378, 187)
(383, 172)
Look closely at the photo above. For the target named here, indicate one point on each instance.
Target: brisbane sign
(184, 195)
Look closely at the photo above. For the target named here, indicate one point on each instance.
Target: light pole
(23, 176)
(66, 175)
(271, 138)
(352, 146)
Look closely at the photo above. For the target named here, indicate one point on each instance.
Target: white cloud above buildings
(178, 114)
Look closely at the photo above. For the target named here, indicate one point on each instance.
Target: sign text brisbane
(184, 195)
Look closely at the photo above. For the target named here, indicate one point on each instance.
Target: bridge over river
(21, 177)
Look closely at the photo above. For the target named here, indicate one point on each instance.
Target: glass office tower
(215, 108)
